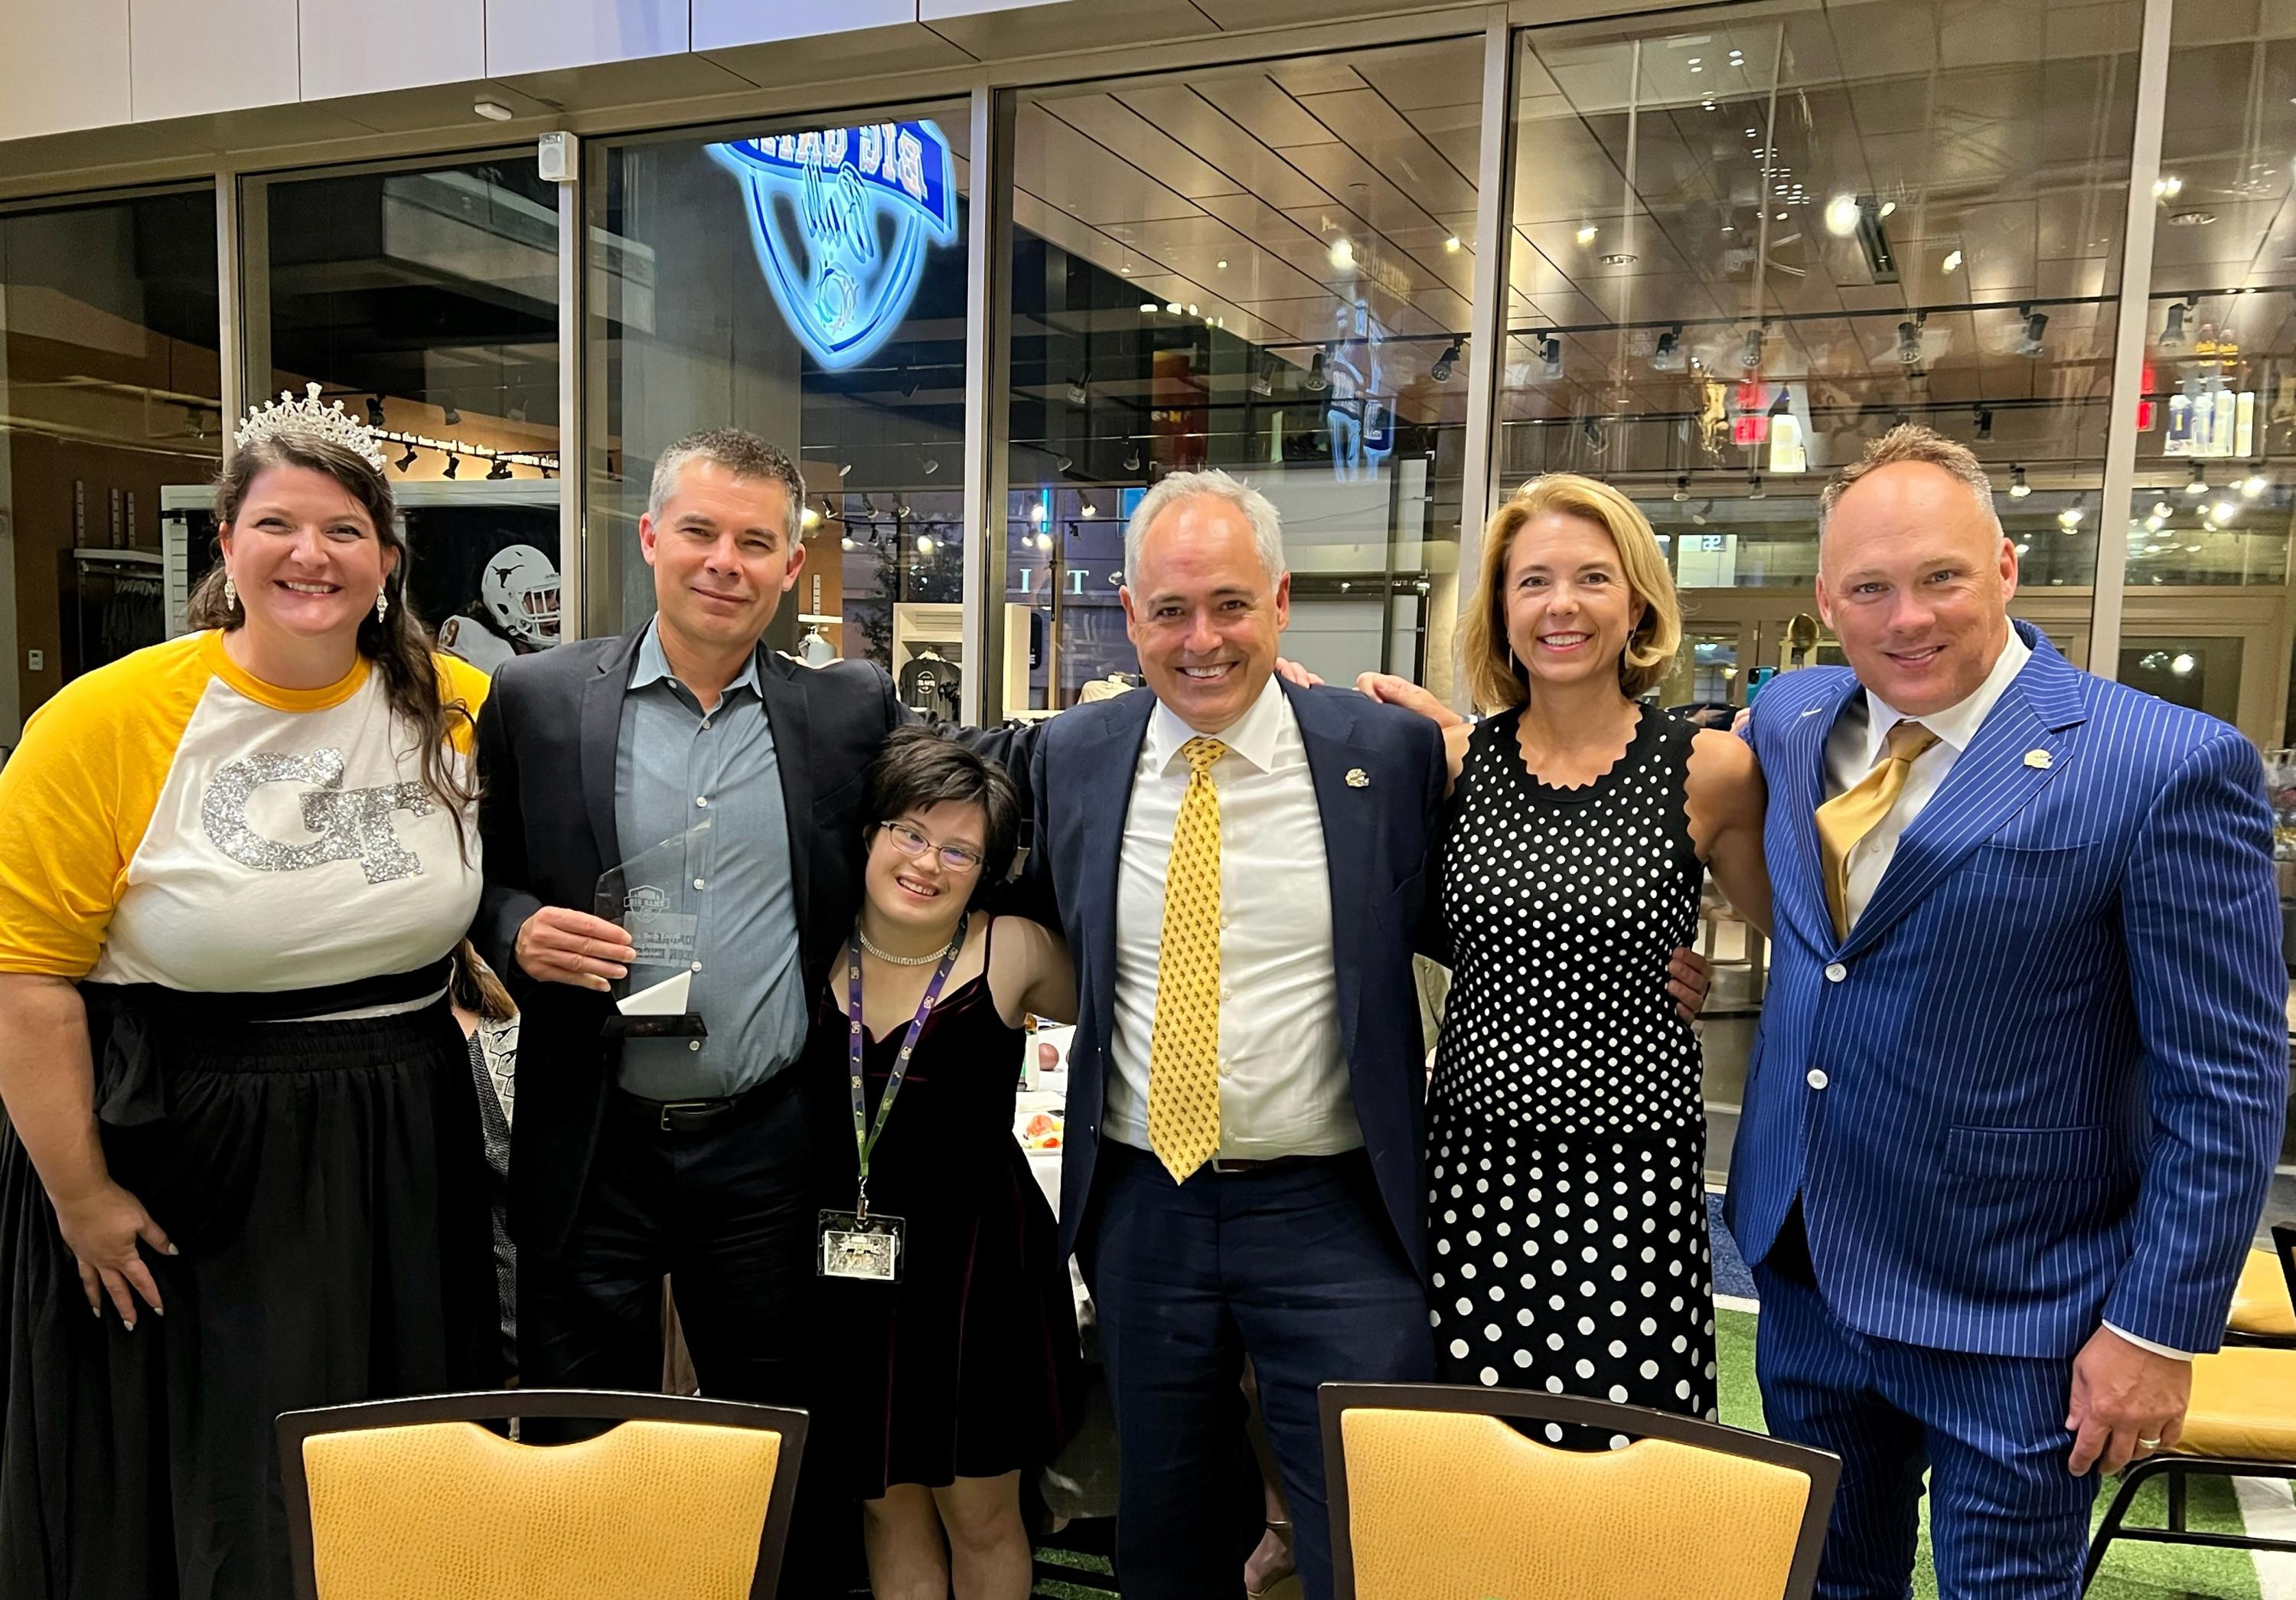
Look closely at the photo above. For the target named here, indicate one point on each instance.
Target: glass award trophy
(652, 896)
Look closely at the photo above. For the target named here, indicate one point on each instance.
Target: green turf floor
(2133, 1571)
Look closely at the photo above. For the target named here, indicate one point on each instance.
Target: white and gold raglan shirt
(171, 819)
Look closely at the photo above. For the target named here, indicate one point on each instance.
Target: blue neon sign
(842, 218)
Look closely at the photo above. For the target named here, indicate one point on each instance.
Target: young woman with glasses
(949, 1361)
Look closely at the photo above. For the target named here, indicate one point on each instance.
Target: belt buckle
(1232, 1164)
(667, 1106)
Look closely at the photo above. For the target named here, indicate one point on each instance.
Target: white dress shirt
(1285, 1086)
(1857, 743)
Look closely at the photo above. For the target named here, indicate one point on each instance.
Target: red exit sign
(1750, 429)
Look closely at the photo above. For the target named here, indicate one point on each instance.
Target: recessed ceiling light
(2192, 219)
(1221, 265)
(493, 110)
(1620, 258)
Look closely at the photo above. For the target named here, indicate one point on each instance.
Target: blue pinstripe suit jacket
(2054, 1045)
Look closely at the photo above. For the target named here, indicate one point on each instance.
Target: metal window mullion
(230, 315)
(573, 349)
(1486, 339)
(988, 390)
(2134, 322)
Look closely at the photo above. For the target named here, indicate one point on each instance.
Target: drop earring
(382, 605)
(230, 594)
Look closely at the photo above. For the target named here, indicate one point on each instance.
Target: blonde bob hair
(1494, 678)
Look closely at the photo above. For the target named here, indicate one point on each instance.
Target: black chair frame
(2180, 1470)
(513, 1405)
(1823, 1469)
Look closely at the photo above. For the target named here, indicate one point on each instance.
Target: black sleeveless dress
(1567, 1134)
(969, 1367)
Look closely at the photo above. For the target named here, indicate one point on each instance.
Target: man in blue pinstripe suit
(2023, 1062)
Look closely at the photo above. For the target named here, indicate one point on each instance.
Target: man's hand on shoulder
(1388, 689)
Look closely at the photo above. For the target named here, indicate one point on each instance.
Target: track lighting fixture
(406, 460)
(454, 464)
(1909, 339)
(499, 471)
(374, 411)
(1754, 489)
(1441, 371)
(1550, 354)
(1682, 488)
(454, 418)
(1318, 379)
(2018, 488)
(1667, 358)
(1984, 424)
(1750, 355)
(2172, 336)
(2197, 484)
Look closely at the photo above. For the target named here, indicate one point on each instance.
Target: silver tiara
(308, 419)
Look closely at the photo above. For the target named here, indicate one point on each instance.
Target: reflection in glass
(2209, 521)
(109, 393)
(426, 301)
(804, 282)
(1743, 247)
(1266, 270)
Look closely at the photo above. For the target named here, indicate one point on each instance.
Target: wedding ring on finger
(2148, 1444)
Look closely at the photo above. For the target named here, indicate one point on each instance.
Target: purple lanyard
(865, 1134)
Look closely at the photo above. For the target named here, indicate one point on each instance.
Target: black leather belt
(699, 1116)
(1271, 1164)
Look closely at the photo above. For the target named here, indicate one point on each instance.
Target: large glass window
(2207, 619)
(1266, 269)
(109, 393)
(1744, 245)
(426, 301)
(806, 282)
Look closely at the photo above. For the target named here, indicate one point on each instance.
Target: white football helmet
(519, 590)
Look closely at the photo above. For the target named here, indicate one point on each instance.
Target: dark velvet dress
(968, 1367)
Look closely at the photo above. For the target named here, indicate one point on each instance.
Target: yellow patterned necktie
(1184, 1048)
(1857, 811)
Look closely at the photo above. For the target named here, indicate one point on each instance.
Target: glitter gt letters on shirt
(351, 824)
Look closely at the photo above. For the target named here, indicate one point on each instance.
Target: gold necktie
(1857, 811)
(1183, 1047)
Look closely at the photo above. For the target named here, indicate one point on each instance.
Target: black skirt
(325, 1184)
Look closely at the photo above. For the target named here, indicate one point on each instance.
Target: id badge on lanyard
(863, 1244)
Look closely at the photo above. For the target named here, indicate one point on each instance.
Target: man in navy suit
(1242, 1171)
(2023, 1062)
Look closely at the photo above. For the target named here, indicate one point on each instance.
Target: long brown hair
(399, 644)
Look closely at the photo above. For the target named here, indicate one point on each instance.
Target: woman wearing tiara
(244, 1171)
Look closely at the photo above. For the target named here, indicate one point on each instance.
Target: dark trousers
(2007, 1521)
(1295, 1265)
(728, 1212)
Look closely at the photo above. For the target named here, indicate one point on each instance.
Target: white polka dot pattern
(1567, 1196)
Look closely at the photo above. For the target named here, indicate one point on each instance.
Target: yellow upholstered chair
(415, 1500)
(2239, 1424)
(2264, 1305)
(1434, 1496)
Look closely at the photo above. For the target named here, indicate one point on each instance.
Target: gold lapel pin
(1358, 779)
(2040, 760)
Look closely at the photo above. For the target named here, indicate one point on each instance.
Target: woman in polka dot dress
(1567, 1138)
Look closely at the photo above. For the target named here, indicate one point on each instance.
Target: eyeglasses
(954, 858)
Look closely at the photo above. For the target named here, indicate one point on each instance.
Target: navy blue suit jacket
(1375, 844)
(2054, 1047)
